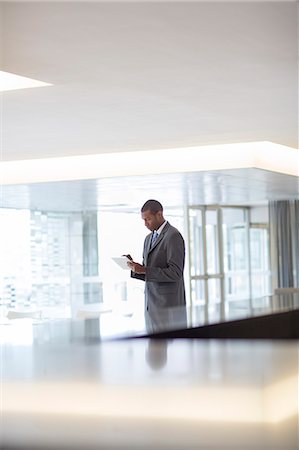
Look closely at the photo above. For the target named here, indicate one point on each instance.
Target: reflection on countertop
(74, 384)
(22, 327)
(61, 390)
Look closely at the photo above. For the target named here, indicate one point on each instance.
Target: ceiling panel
(224, 187)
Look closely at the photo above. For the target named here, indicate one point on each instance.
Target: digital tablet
(121, 261)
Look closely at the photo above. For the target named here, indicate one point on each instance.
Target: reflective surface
(233, 187)
(103, 324)
(70, 384)
(61, 388)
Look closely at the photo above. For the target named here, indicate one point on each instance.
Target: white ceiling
(146, 75)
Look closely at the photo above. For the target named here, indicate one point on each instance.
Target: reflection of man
(163, 261)
(156, 353)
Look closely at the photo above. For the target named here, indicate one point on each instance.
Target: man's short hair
(152, 205)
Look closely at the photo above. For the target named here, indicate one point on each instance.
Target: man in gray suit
(163, 262)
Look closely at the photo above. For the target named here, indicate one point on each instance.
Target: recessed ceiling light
(260, 155)
(11, 82)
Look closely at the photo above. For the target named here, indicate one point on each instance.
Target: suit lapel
(149, 249)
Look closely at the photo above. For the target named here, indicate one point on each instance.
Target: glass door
(205, 263)
(236, 261)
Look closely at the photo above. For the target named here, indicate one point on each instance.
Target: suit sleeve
(138, 276)
(175, 260)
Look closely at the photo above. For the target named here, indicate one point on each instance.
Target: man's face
(152, 221)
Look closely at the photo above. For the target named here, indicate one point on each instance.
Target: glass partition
(260, 260)
(206, 277)
(62, 262)
(236, 253)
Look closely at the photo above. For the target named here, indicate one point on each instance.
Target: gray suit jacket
(164, 281)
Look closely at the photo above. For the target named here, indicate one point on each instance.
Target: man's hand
(129, 257)
(136, 268)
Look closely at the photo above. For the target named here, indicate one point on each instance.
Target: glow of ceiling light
(11, 82)
(260, 155)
